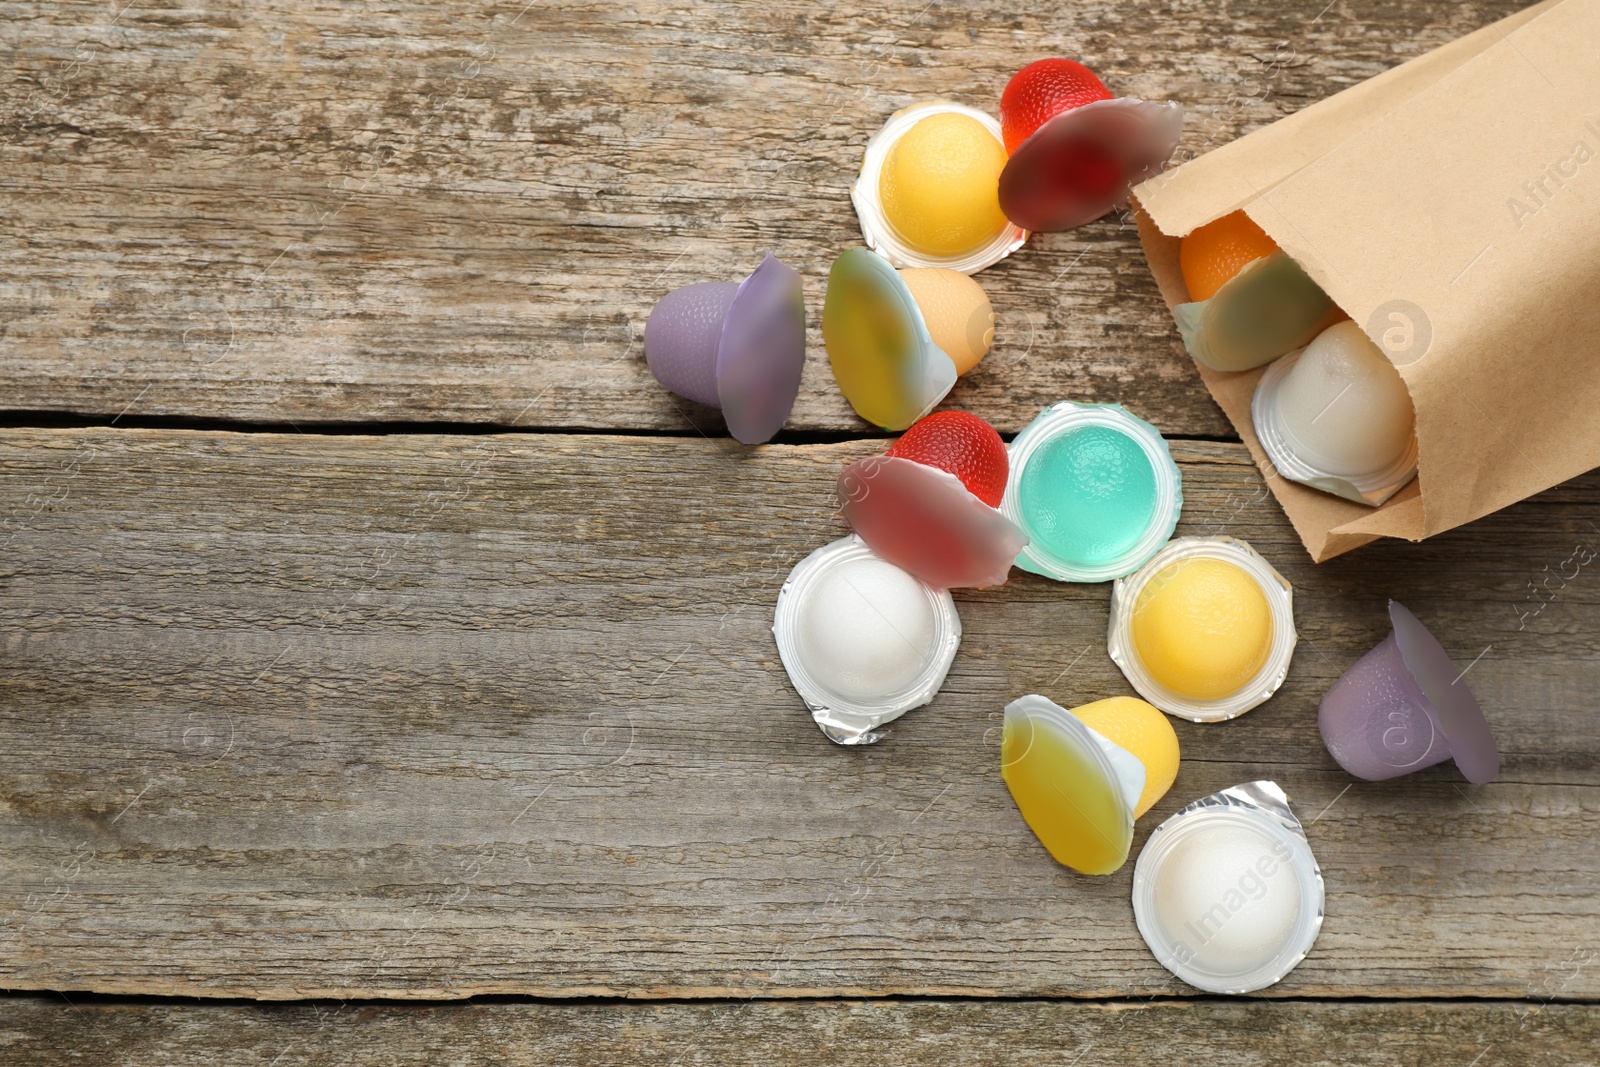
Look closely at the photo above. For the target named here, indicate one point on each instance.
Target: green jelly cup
(1094, 488)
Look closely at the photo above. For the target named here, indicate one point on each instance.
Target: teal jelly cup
(1094, 488)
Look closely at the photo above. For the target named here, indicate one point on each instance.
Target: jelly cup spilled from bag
(1249, 302)
(927, 195)
(1405, 706)
(1080, 778)
(862, 641)
(1227, 893)
(735, 346)
(1204, 630)
(930, 505)
(1075, 150)
(897, 340)
(1094, 488)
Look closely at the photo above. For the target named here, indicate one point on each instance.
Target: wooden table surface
(375, 629)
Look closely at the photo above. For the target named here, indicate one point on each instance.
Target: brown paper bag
(1452, 207)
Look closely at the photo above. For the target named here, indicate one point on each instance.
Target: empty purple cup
(1403, 707)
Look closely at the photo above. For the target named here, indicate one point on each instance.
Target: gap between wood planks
(52, 420)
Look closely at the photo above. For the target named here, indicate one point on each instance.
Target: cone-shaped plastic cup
(1405, 706)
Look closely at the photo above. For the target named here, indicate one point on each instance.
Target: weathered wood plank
(296, 213)
(45, 1032)
(430, 716)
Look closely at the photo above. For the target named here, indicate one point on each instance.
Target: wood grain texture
(431, 716)
(46, 1032)
(293, 212)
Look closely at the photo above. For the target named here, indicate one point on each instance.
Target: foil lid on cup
(862, 640)
(1226, 893)
(1094, 489)
(880, 233)
(1336, 415)
(1205, 629)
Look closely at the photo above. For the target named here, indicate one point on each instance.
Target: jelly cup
(1094, 489)
(1280, 636)
(1269, 308)
(883, 356)
(925, 521)
(876, 229)
(1404, 706)
(1277, 437)
(1226, 893)
(862, 640)
(1079, 165)
(736, 346)
(1076, 789)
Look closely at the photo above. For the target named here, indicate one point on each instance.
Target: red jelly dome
(1042, 90)
(962, 444)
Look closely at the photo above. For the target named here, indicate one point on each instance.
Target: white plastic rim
(875, 228)
(1264, 808)
(1265, 682)
(1066, 417)
(846, 721)
(1373, 489)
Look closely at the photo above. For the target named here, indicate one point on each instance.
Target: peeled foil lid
(1268, 309)
(1043, 186)
(882, 355)
(1466, 729)
(761, 352)
(925, 521)
(1266, 803)
(1112, 785)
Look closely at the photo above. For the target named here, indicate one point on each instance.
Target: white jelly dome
(1231, 895)
(866, 630)
(1343, 406)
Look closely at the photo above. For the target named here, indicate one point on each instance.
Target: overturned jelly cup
(1227, 893)
(738, 346)
(926, 195)
(1077, 150)
(862, 640)
(928, 505)
(1094, 489)
(1404, 706)
(1204, 630)
(1269, 308)
(1079, 791)
(886, 332)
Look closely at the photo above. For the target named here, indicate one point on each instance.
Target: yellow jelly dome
(957, 312)
(940, 184)
(1139, 727)
(1202, 628)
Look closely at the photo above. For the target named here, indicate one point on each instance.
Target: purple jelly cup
(1403, 707)
(735, 346)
